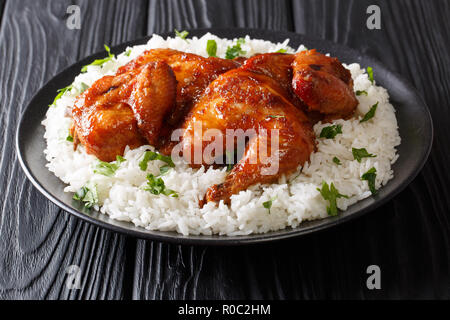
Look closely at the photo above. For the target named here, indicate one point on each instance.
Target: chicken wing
(147, 88)
(117, 111)
(323, 84)
(193, 73)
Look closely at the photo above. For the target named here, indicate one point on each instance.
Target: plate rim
(221, 240)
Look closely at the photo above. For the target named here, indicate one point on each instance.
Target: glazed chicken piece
(193, 73)
(240, 99)
(324, 85)
(128, 109)
(142, 101)
(274, 65)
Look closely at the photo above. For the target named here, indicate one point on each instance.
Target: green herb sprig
(331, 194)
(60, 94)
(358, 154)
(370, 74)
(361, 92)
(337, 161)
(156, 186)
(268, 204)
(150, 156)
(331, 131)
(88, 195)
(370, 114)
(370, 176)
(109, 168)
(182, 34)
(211, 48)
(99, 62)
(236, 50)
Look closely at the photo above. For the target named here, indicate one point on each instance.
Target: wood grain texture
(408, 237)
(39, 241)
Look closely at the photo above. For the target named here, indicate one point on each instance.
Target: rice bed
(295, 198)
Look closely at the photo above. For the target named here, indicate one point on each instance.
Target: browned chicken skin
(165, 89)
(193, 73)
(142, 100)
(123, 110)
(323, 84)
(240, 99)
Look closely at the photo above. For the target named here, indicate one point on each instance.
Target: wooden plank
(38, 240)
(164, 16)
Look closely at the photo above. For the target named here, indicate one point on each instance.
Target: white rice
(122, 197)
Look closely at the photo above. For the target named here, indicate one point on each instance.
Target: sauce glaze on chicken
(163, 90)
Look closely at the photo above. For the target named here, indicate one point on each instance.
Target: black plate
(414, 120)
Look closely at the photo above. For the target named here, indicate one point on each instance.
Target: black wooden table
(408, 238)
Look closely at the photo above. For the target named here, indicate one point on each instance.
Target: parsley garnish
(211, 48)
(370, 73)
(150, 155)
(370, 176)
(99, 62)
(229, 159)
(108, 168)
(183, 34)
(337, 161)
(370, 114)
(358, 154)
(83, 87)
(164, 169)
(275, 116)
(236, 50)
(281, 50)
(156, 186)
(87, 195)
(127, 53)
(331, 131)
(330, 193)
(60, 94)
(268, 204)
(69, 138)
(361, 92)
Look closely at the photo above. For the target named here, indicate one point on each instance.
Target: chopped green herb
(211, 48)
(60, 94)
(275, 116)
(358, 154)
(281, 50)
(331, 131)
(108, 168)
(164, 169)
(150, 155)
(229, 155)
(370, 73)
(99, 62)
(183, 34)
(361, 92)
(370, 176)
(330, 193)
(370, 114)
(156, 186)
(88, 195)
(83, 87)
(236, 50)
(337, 161)
(268, 204)
(69, 138)
(127, 53)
